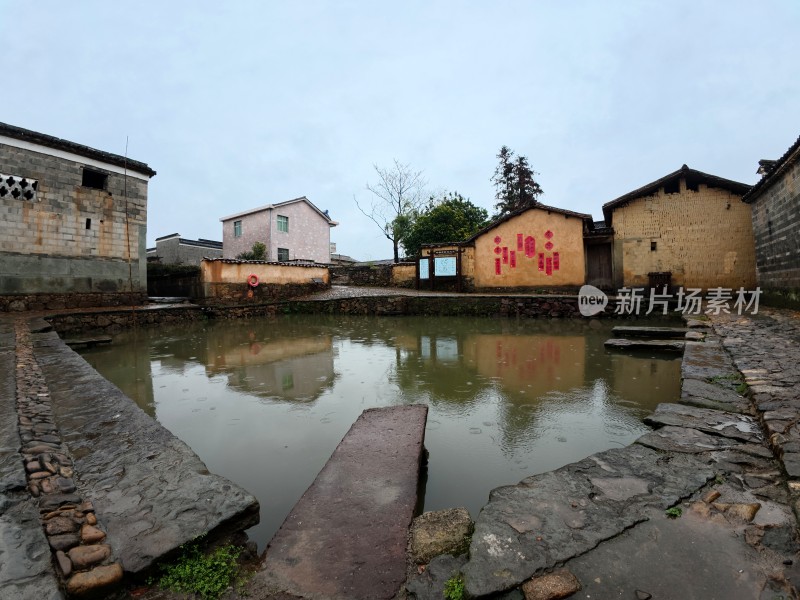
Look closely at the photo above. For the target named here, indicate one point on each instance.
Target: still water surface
(265, 402)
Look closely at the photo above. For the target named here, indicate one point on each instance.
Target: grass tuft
(206, 574)
(454, 588)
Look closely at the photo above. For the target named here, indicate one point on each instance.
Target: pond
(264, 402)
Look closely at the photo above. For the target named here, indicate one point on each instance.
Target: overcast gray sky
(240, 104)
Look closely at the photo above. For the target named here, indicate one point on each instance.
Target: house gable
(690, 179)
(537, 247)
(295, 230)
(689, 224)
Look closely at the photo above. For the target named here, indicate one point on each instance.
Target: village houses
(294, 230)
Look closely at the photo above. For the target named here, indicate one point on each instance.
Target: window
(283, 223)
(88, 223)
(283, 254)
(237, 229)
(653, 246)
(94, 179)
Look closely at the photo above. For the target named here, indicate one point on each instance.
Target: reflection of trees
(536, 375)
(457, 361)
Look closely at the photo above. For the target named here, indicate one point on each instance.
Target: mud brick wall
(704, 238)
(776, 225)
(69, 238)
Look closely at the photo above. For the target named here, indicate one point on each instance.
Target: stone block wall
(68, 238)
(469, 305)
(364, 275)
(776, 226)
(704, 238)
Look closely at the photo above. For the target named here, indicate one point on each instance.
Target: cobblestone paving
(85, 561)
(766, 350)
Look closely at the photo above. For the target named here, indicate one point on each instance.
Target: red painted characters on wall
(547, 261)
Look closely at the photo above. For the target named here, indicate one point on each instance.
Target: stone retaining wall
(116, 321)
(241, 293)
(366, 275)
(477, 306)
(186, 286)
(56, 301)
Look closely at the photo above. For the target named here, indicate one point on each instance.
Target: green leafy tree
(450, 218)
(515, 183)
(396, 197)
(258, 252)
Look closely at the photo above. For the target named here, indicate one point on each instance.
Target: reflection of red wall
(528, 360)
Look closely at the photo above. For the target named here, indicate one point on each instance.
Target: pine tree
(515, 183)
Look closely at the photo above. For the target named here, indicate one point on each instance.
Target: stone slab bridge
(346, 537)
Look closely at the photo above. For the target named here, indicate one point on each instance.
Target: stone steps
(638, 344)
(653, 333)
(87, 342)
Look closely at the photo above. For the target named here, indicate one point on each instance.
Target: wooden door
(598, 266)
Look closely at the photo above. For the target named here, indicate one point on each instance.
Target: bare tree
(397, 195)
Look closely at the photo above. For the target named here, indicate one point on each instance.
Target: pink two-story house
(294, 230)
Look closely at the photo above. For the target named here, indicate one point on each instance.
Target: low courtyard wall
(225, 281)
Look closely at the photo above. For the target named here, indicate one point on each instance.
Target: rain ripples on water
(265, 402)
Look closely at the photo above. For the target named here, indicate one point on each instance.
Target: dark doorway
(598, 266)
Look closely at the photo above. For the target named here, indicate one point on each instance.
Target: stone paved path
(766, 349)
(107, 487)
(26, 571)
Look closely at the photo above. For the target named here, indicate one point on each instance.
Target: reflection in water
(265, 402)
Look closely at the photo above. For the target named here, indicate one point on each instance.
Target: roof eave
(779, 168)
(48, 141)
